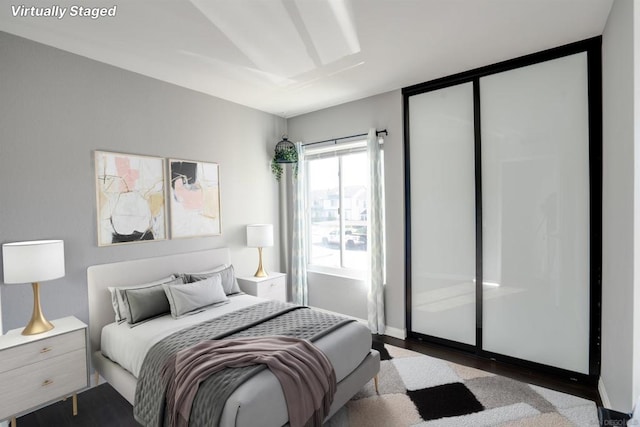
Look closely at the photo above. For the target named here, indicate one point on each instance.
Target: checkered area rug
(419, 390)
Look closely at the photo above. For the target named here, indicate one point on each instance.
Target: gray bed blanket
(305, 374)
(264, 319)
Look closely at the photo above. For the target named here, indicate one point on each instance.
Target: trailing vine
(280, 157)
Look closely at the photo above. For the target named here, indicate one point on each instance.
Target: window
(338, 188)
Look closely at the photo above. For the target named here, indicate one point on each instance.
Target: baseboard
(395, 332)
(100, 380)
(388, 330)
(603, 394)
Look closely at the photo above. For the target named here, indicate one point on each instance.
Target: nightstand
(36, 370)
(274, 286)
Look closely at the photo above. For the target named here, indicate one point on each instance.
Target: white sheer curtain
(375, 209)
(299, 292)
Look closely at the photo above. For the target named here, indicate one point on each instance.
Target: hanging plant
(276, 169)
(285, 152)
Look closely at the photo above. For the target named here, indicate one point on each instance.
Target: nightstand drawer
(273, 286)
(38, 383)
(273, 289)
(41, 350)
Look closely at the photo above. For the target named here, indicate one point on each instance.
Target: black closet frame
(592, 47)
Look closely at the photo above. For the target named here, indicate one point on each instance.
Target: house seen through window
(338, 185)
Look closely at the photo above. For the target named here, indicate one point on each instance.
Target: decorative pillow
(119, 305)
(145, 303)
(229, 282)
(187, 276)
(114, 303)
(190, 297)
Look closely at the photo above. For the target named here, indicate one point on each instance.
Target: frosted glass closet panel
(443, 213)
(535, 210)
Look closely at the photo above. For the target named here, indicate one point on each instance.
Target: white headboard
(139, 271)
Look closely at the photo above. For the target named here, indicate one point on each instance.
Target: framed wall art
(194, 194)
(130, 193)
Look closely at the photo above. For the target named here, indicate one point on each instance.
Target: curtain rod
(335, 140)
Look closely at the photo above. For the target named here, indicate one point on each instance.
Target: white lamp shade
(35, 261)
(259, 235)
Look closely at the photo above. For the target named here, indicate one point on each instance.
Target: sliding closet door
(442, 213)
(535, 213)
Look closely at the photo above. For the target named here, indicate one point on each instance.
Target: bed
(260, 400)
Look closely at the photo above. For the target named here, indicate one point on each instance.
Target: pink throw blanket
(305, 374)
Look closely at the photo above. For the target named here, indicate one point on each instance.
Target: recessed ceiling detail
(289, 57)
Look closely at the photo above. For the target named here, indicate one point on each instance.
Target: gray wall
(56, 108)
(621, 207)
(382, 112)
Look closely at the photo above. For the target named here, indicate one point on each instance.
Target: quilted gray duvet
(264, 319)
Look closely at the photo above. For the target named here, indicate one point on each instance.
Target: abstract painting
(130, 192)
(195, 198)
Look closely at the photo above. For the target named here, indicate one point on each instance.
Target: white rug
(423, 391)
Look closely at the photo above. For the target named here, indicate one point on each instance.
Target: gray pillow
(227, 276)
(191, 297)
(187, 276)
(145, 303)
(119, 305)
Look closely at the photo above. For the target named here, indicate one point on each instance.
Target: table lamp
(33, 262)
(260, 236)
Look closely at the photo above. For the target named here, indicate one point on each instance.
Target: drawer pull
(47, 382)
(46, 350)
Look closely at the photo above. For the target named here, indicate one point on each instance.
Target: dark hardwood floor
(99, 406)
(102, 406)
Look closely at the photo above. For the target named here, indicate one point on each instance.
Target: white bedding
(128, 346)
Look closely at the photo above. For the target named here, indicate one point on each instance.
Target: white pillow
(120, 305)
(190, 297)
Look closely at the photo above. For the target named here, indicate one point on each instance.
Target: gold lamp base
(260, 272)
(38, 324)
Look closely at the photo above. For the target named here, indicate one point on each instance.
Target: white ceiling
(289, 57)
